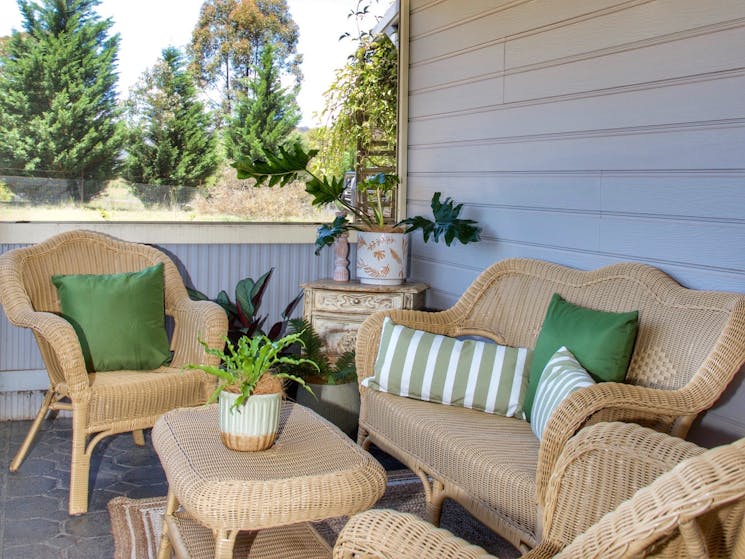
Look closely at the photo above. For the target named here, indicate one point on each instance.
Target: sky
(148, 26)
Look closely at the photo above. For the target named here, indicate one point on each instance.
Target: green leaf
(327, 234)
(446, 224)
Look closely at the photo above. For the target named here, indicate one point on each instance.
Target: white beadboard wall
(209, 268)
(584, 133)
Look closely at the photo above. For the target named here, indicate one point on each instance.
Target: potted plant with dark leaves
(381, 247)
(251, 386)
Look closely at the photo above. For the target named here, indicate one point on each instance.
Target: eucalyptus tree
(230, 36)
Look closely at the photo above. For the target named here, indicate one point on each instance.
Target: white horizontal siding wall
(207, 267)
(584, 133)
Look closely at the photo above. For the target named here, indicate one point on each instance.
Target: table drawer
(339, 333)
(363, 303)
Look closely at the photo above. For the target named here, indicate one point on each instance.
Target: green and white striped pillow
(468, 373)
(562, 375)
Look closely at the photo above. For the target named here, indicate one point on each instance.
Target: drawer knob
(356, 301)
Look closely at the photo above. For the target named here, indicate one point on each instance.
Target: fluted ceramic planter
(252, 426)
(381, 257)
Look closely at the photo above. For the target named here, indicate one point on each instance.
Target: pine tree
(265, 116)
(170, 139)
(58, 112)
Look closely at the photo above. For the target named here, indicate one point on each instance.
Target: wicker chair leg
(434, 502)
(363, 438)
(33, 430)
(138, 436)
(79, 467)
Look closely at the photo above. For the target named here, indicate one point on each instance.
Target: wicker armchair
(113, 402)
(689, 347)
(694, 508)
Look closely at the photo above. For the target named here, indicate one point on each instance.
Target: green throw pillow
(601, 341)
(468, 373)
(119, 318)
(562, 376)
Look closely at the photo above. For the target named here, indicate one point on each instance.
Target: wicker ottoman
(312, 472)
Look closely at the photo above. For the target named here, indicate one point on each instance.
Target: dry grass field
(229, 200)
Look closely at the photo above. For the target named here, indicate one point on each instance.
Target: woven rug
(136, 523)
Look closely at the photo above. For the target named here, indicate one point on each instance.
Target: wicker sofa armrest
(606, 401)
(194, 321)
(619, 457)
(387, 534)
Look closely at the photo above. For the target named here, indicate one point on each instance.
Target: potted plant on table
(381, 247)
(250, 387)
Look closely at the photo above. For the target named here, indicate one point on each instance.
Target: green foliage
(243, 314)
(446, 223)
(58, 112)
(5, 193)
(229, 38)
(265, 115)
(292, 164)
(169, 139)
(362, 106)
(244, 363)
(343, 371)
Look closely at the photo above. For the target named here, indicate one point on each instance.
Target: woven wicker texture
(689, 347)
(299, 541)
(103, 404)
(312, 472)
(693, 509)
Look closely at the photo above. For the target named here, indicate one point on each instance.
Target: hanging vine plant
(361, 107)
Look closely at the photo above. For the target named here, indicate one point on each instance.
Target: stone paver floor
(33, 501)
(34, 523)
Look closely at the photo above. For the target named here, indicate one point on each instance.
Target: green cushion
(468, 373)
(601, 341)
(119, 318)
(562, 375)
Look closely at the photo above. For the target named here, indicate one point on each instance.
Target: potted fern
(381, 247)
(335, 393)
(251, 385)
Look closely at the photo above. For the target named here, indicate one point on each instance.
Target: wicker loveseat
(690, 502)
(689, 346)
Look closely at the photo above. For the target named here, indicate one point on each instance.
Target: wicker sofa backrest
(685, 336)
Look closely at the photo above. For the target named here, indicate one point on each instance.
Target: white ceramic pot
(339, 403)
(252, 426)
(381, 257)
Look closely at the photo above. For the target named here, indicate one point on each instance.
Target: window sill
(168, 233)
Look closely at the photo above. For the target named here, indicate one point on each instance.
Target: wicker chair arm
(621, 456)
(194, 321)
(62, 341)
(368, 335)
(605, 401)
(695, 509)
(387, 534)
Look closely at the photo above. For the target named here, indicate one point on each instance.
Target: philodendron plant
(290, 164)
(254, 366)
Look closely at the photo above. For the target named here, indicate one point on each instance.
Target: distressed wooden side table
(259, 502)
(336, 309)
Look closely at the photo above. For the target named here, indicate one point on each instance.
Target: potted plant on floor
(250, 387)
(381, 247)
(334, 385)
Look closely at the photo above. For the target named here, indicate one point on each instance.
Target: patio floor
(33, 501)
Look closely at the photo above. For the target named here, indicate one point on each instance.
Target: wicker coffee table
(259, 503)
